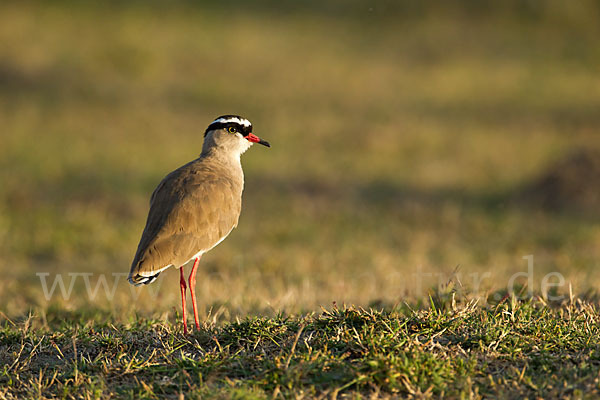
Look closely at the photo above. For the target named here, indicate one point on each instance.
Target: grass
(515, 349)
(400, 135)
(396, 146)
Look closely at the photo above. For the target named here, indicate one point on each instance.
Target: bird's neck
(217, 154)
(230, 161)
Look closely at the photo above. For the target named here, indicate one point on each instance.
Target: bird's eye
(231, 129)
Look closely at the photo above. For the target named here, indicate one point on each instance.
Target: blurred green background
(402, 134)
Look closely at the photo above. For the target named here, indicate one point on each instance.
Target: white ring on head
(241, 121)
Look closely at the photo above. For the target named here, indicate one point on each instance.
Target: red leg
(183, 287)
(192, 281)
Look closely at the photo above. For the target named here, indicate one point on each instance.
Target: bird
(195, 207)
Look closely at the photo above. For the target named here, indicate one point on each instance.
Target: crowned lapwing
(195, 207)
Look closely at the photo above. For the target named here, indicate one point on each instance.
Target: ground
(411, 147)
(515, 349)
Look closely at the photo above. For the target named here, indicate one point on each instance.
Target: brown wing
(191, 210)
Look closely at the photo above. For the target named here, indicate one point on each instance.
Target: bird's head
(231, 133)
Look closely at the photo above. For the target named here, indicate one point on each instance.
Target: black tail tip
(138, 279)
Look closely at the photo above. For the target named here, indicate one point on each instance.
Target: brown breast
(191, 210)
